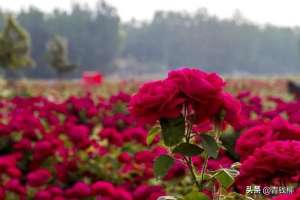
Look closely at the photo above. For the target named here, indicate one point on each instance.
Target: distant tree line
(96, 39)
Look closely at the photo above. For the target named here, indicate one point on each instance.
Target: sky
(277, 12)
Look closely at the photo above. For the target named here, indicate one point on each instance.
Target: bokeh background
(126, 39)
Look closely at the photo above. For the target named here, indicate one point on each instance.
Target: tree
(58, 57)
(15, 46)
(34, 21)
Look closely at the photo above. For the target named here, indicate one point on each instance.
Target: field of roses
(189, 136)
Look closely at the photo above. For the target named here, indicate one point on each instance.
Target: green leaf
(228, 141)
(210, 145)
(234, 195)
(172, 130)
(11, 196)
(152, 133)
(162, 164)
(225, 178)
(188, 149)
(196, 196)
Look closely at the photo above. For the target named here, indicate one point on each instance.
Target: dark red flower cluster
(93, 148)
(275, 163)
(269, 142)
(67, 150)
(201, 91)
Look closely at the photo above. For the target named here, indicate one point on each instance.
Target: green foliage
(210, 145)
(14, 46)
(162, 164)
(169, 39)
(11, 196)
(188, 149)
(225, 178)
(57, 55)
(172, 130)
(235, 196)
(93, 35)
(175, 39)
(228, 141)
(195, 195)
(152, 134)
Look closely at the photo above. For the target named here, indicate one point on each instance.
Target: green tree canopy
(15, 46)
(57, 55)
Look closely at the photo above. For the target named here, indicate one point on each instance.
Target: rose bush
(190, 130)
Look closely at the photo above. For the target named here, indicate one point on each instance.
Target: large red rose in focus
(196, 84)
(155, 100)
(202, 90)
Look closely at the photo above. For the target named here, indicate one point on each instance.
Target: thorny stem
(188, 124)
(191, 168)
(188, 160)
(204, 166)
(218, 132)
(215, 193)
(188, 132)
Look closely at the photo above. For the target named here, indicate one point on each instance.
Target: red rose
(38, 177)
(79, 135)
(14, 185)
(232, 108)
(103, 188)
(202, 90)
(251, 139)
(155, 100)
(2, 193)
(196, 84)
(275, 163)
(125, 157)
(79, 190)
(144, 192)
(43, 195)
(121, 193)
(42, 150)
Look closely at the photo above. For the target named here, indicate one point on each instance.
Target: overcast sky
(279, 12)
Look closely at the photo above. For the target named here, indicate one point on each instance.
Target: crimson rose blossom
(145, 192)
(251, 139)
(38, 177)
(202, 90)
(257, 136)
(273, 164)
(155, 100)
(232, 108)
(103, 188)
